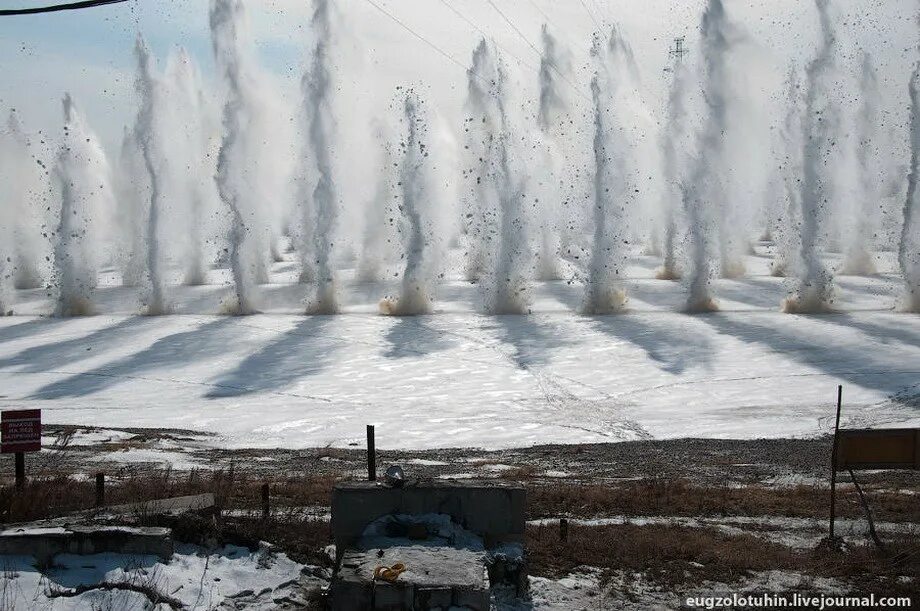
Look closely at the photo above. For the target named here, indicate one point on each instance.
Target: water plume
(703, 191)
(507, 288)
(81, 176)
(480, 207)
(785, 236)
(379, 218)
(605, 292)
(418, 206)
(815, 290)
(132, 188)
(674, 159)
(6, 266)
(858, 259)
(148, 135)
(320, 213)
(189, 121)
(6, 228)
(553, 107)
(21, 191)
(909, 247)
(225, 22)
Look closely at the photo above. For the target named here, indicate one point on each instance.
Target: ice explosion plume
(81, 176)
(815, 289)
(226, 21)
(320, 207)
(703, 190)
(859, 259)
(909, 249)
(500, 259)
(605, 292)
(148, 134)
(418, 205)
(674, 160)
(553, 106)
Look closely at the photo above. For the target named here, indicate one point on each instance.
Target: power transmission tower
(677, 52)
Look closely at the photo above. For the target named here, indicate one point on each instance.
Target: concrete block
(349, 592)
(477, 600)
(490, 509)
(433, 597)
(45, 543)
(393, 596)
(435, 577)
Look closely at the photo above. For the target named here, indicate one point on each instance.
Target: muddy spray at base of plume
(815, 289)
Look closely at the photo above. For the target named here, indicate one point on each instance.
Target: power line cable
(590, 14)
(428, 42)
(485, 34)
(537, 51)
(72, 6)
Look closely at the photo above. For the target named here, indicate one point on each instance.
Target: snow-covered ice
(459, 378)
(197, 577)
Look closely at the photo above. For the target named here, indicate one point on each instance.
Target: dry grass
(45, 497)
(667, 554)
(682, 498)
(674, 557)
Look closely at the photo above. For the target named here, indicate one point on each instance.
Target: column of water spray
(189, 116)
(81, 176)
(815, 289)
(148, 133)
(703, 190)
(605, 292)
(132, 188)
(23, 192)
(418, 205)
(6, 266)
(552, 108)
(224, 21)
(507, 287)
(480, 207)
(784, 233)
(6, 224)
(909, 247)
(859, 259)
(674, 159)
(379, 219)
(320, 208)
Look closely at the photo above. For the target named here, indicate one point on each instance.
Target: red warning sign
(21, 431)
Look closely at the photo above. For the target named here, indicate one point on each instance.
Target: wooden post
(867, 511)
(563, 529)
(834, 460)
(20, 470)
(100, 489)
(266, 507)
(371, 454)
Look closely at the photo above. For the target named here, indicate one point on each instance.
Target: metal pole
(371, 454)
(20, 470)
(834, 459)
(266, 506)
(100, 489)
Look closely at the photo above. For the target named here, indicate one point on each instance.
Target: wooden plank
(173, 505)
(878, 449)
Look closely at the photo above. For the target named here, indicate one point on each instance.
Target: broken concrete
(493, 510)
(452, 537)
(435, 577)
(45, 543)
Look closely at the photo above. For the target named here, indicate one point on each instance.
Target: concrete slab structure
(435, 577)
(491, 509)
(441, 572)
(45, 543)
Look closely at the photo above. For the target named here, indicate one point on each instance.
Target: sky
(88, 52)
